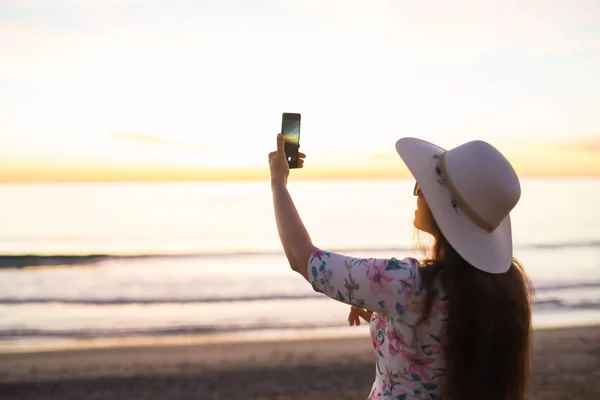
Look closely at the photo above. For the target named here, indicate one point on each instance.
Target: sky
(107, 90)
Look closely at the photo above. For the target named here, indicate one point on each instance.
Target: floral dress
(409, 359)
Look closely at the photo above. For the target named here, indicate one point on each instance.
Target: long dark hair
(488, 339)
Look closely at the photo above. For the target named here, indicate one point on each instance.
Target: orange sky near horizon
(529, 159)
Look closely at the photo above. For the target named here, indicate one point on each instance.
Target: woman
(456, 326)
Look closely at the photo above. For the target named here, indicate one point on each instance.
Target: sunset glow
(95, 90)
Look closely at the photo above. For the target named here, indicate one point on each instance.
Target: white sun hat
(470, 191)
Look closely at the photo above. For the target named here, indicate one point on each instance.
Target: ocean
(91, 264)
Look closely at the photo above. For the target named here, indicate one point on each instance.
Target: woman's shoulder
(383, 284)
(319, 253)
(322, 259)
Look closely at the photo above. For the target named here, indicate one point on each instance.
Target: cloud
(55, 3)
(581, 145)
(585, 145)
(389, 157)
(139, 138)
(143, 140)
(576, 157)
(133, 40)
(466, 29)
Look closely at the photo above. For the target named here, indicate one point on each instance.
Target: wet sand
(566, 365)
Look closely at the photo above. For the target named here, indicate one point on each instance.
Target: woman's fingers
(352, 317)
(357, 312)
(364, 314)
(301, 157)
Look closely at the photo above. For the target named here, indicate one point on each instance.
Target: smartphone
(290, 128)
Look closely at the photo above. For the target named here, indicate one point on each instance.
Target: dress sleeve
(386, 286)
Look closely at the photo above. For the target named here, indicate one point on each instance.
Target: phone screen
(290, 128)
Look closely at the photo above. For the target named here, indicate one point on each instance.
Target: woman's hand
(279, 164)
(356, 312)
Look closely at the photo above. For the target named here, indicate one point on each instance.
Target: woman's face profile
(423, 218)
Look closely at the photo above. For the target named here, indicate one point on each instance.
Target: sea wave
(552, 297)
(567, 286)
(11, 334)
(42, 260)
(7, 334)
(157, 300)
(559, 304)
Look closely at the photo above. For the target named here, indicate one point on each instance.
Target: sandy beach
(566, 366)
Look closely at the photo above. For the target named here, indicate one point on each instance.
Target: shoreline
(279, 335)
(189, 340)
(566, 365)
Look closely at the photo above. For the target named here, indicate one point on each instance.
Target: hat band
(457, 199)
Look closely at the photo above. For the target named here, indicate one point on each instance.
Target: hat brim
(489, 252)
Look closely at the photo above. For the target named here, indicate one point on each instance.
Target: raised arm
(294, 237)
(296, 241)
(382, 285)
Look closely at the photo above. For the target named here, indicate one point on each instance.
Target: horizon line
(262, 179)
